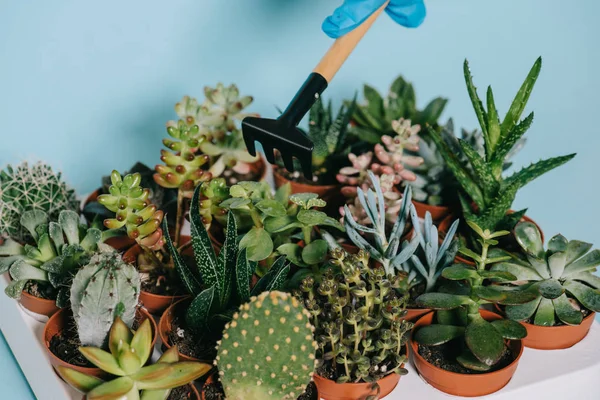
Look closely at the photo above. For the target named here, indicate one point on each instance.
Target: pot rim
(415, 351)
(439, 208)
(389, 376)
(592, 314)
(168, 311)
(60, 312)
(30, 296)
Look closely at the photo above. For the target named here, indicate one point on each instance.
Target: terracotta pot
(465, 385)
(330, 193)
(260, 168)
(155, 303)
(37, 305)
(413, 314)
(437, 212)
(555, 337)
(165, 326)
(330, 390)
(58, 323)
(119, 243)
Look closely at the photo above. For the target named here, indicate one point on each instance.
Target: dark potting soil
(310, 393)
(181, 393)
(187, 343)
(163, 284)
(298, 177)
(40, 290)
(232, 177)
(213, 391)
(444, 357)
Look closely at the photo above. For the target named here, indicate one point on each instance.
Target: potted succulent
(360, 328)
(267, 350)
(487, 195)
(217, 286)
(567, 291)
(102, 290)
(469, 351)
(126, 359)
(42, 269)
(418, 262)
(329, 134)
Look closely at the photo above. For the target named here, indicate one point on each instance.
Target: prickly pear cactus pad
(267, 350)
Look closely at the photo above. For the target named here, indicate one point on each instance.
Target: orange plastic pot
(330, 193)
(165, 326)
(413, 314)
(155, 303)
(438, 213)
(37, 305)
(58, 323)
(555, 337)
(331, 390)
(465, 385)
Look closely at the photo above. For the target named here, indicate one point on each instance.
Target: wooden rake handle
(339, 51)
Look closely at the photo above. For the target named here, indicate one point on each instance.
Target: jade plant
(31, 187)
(267, 350)
(126, 360)
(60, 249)
(384, 244)
(329, 133)
(102, 290)
(358, 316)
(373, 119)
(218, 285)
(487, 195)
(459, 320)
(561, 276)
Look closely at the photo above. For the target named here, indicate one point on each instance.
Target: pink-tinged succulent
(392, 154)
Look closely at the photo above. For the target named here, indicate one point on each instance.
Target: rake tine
(306, 163)
(288, 161)
(250, 144)
(268, 150)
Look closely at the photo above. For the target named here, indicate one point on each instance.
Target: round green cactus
(267, 350)
(133, 210)
(183, 167)
(34, 187)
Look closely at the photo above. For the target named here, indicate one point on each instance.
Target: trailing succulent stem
(562, 277)
(267, 350)
(102, 290)
(458, 307)
(27, 188)
(126, 361)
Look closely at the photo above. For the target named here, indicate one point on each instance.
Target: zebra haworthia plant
(561, 276)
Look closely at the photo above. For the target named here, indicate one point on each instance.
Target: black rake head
(280, 134)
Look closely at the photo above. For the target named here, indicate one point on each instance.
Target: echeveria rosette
(458, 307)
(129, 201)
(561, 276)
(183, 165)
(126, 361)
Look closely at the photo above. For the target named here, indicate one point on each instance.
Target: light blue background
(88, 86)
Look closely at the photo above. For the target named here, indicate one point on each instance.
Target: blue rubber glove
(408, 13)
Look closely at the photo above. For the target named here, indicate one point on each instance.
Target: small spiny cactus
(102, 290)
(267, 350)
(34, 187)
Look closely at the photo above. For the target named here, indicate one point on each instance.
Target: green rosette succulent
(126, 362)
(561, 276)
(458, 318)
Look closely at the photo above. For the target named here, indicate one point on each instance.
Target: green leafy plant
(358, 316)
(458, 317)
(26, 188)
(384, 245)
(220, 284)
(126, 360)
(374, 118)
(562, 276)
(481, 177)
(267, 350)
(59, 250)
(105, 288)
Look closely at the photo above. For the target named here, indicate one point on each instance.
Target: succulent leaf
(434, 335)
(484, 341)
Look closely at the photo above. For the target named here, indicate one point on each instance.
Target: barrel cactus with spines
(267, 350)
(34, 187)
(102, 290)
(129, 201)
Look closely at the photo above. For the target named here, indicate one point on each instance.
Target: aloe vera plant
(561, 276)
(126, 360)
(220, 284)
(481, 178)
(458, 307)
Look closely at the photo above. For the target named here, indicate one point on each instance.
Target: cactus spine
(104, 289)
(267, 350)
(34, 187)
